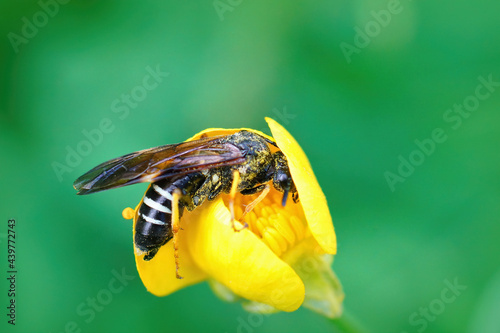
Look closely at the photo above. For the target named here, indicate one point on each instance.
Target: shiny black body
(200, 169)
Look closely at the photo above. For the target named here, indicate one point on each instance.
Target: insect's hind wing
(158, 163)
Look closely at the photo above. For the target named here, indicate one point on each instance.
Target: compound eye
(282, 181)
(282, 178)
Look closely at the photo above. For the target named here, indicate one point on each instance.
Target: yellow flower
(281, 261)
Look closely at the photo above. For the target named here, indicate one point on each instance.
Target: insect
(192, 171)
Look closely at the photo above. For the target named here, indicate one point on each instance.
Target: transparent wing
(160, 162)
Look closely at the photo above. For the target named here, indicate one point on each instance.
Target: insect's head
(282, 179)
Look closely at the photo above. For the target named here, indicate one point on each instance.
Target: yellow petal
(158, 274)
(324, 292)
(240, 260)
(310, 194)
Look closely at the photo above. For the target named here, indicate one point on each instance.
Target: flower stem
(347, 324)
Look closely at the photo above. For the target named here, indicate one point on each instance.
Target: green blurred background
(229, 64)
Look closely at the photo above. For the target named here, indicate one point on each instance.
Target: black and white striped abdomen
(153, 226)
(156, 207)
(154, 221)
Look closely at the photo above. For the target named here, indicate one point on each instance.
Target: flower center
(280, 228)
